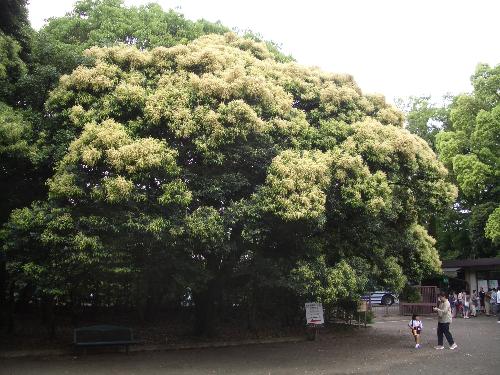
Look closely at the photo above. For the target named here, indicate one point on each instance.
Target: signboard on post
(314, 313)
(362, 308)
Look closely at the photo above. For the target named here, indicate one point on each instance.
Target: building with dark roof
(477, 273)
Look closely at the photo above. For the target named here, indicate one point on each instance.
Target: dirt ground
(384, 348)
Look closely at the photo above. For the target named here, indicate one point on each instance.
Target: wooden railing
(429, 294)
(416, 308)
(425, 307)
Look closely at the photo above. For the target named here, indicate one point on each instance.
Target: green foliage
(14, 22)
(145, 26)
(470, 149)
(200, 166)
(422, 258)
(361, 316)
(410, 294)
(15, 135)
(58, 47)
(205, 229)
(12, 68)
(22, 156)
(493, 226)
(31, 63)
(424, 118)
(273, 47)
(475, 160)
(296, 184)
(317, 282)
(481, 245)
(465, 135)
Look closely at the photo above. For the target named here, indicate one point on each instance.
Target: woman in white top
(466, 298)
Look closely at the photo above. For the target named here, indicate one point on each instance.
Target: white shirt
(498, 297)
(415, 324)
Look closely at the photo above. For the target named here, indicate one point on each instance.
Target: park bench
(103, 335)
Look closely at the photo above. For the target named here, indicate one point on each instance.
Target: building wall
(472, 279)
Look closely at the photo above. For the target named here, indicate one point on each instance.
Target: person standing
(460, 303)
(474, 302)
(466, 298)
(481, 300)
(487, 302)
(493, 301)
(444, 321)
(498, 305)
(453, 303)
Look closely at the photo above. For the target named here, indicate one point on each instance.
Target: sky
(394, 47)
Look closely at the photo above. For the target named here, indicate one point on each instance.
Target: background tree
(464, 131)
(16, 149)
(470, 148)
(14, 22)
(424, 117)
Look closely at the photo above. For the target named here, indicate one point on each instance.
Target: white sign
(314, 313)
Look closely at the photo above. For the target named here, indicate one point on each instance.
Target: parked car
(381, 297)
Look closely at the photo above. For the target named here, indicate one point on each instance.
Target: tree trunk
(252, 311)
(48, 316)
(205, 311)
(23, 305)
(75, 310)
(11, 309)
(3, 291)
(142, 298)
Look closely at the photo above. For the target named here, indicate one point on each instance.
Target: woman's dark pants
(444, 328)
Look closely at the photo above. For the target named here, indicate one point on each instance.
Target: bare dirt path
(384, 348)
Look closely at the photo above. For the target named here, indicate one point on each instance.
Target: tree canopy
(204, 166)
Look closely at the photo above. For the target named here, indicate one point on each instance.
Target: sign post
(362, 307)
(314, 317)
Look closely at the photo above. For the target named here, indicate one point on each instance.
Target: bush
(370, 316)
(410, 294)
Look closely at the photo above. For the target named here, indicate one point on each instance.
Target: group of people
(468, 305)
